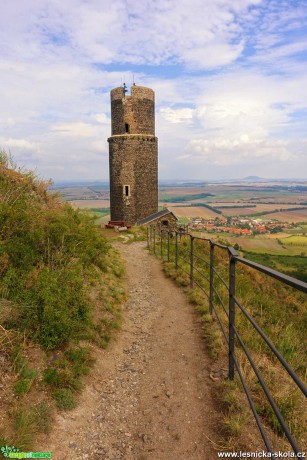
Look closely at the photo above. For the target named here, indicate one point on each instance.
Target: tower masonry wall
(134, 163)
(133, 155)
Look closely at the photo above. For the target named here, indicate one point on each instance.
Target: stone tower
(133, 155)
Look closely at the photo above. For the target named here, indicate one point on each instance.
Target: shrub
(48, 251)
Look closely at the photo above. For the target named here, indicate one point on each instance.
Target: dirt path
(149, 395)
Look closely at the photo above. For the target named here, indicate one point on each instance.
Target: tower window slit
(127, 128)
(126, 190)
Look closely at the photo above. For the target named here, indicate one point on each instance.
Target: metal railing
(179, 248)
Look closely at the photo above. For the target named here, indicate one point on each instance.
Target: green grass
(295, 241)
(98, 213)
(25, 380)
(301, 228)
(64, 399)
(291, 265)
(26, 375)
(101, 210)
(28, 422)
(68, 369)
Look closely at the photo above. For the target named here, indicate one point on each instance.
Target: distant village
(238, 226)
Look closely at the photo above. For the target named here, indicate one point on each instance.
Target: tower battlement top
(138, 92)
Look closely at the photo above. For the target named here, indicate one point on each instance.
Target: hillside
(60, 293)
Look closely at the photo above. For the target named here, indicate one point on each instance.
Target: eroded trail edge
(149, 395)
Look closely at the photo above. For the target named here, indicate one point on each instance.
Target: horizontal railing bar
(201, 258)
(221, 324)
(202, 274)
(222, 279)
(218, 295)
(222, 246)
(188, 273)
(212, 242)
(252, 406)
(203, 289)
(183, 250)
(267, 393)
(274, 350)
(184, 260)
(201, 238)
(293, 282)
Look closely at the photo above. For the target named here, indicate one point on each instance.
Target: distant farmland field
(294, 241)
(236, 210)
(195, 211)
(258, 244)
(87, 204)
(291, 216)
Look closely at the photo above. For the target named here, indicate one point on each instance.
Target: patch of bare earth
(149, 396)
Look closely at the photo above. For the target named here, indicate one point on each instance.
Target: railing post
(211, 276)
(168, 245)
(232, 293)
(176, 251)
(191, 261)
(154, 239)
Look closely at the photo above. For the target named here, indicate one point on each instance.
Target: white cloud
(76, 129)
(177, 115)
(102, 118)
(19, 144)
(212, 55)
(237, 151)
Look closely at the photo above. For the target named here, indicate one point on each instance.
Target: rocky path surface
(149, 395)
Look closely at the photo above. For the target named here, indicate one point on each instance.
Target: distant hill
(253, 178)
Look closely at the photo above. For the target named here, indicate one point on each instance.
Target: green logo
(13, 452)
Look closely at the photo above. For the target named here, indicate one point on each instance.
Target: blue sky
(230, 78)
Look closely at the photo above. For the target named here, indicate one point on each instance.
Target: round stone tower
(133, 155)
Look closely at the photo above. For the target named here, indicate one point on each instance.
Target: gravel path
(149, 396)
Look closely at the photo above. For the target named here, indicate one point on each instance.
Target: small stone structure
(164, 219)
(133, 155)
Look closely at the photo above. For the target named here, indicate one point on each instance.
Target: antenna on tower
(125, 86)
(133, 79)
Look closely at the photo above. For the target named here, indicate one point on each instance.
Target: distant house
(162, 219)
(246, 231)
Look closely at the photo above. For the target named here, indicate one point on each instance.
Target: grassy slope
(60, 290)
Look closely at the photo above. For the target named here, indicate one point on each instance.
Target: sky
(230, 80)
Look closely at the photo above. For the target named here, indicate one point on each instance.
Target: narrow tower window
(127, 190)
(127, 128)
